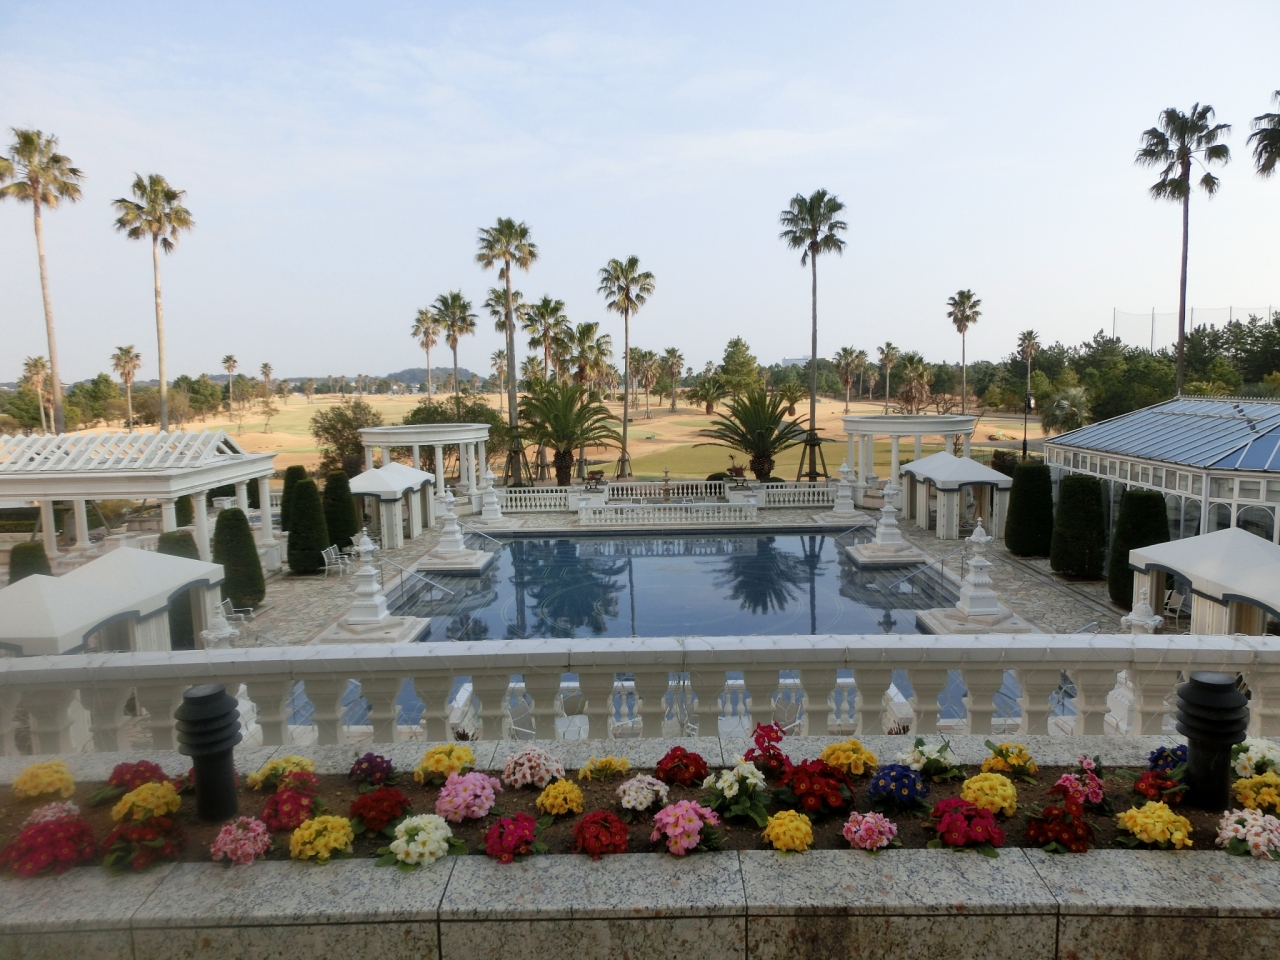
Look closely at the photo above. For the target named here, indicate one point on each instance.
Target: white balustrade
(682, 489)
(798, 494)
(622, 514)
(537, 499)
(646, 687)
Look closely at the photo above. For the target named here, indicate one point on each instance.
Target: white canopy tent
(942, 477)
(391, 486)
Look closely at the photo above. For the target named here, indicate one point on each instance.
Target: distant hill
(438, 374)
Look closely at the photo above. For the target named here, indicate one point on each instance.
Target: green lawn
(692, 462)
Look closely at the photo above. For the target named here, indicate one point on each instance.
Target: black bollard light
(1213, 715)
(208, 727)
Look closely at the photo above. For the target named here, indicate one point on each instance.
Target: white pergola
(135, 466)
(861, 431)
(942, 477)
(390, 486)
(469, 438)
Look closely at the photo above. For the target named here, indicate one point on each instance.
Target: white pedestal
(888, 549)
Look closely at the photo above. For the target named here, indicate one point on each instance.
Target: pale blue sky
(340, 158)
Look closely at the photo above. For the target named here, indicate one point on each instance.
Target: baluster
(872, 687)
(1263, 680)
(543, 687)
(271, 698)
(705, 687)
(818, 686)
(159, 700)
(842, 702)
(326, 697)
(761, 683)
(1153, 686)
(105, 703)
(50, 719)
(492, 691)
(928, 683)
(981, 685)
(9, 700)
(1093, 685)
(1037, 684)
(384, 712)
(597, 689)
(651, 695)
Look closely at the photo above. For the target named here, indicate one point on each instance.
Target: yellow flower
(1010, 758)
(40, 778)
(561, 797)
(273, 769)
(1154, 822)
(789, 830)
(1261, 792)
(604, 767)
(442, 760)
(321, 837)
(149, 800)
(991, 791)
(851, 757)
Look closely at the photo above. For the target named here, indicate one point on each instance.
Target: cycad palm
(846, 363)
(456, 321)
(809, 224)
(126, 362)
(43, 178)
(426, 330)
(1178, 140)
(562, 415)
(756, 425)
(545, 322)
(672, 364)
(963, 312)
(626, 288)
(1266, 140)
(888, 357)
(156, 213)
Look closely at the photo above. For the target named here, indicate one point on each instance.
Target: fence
(612, 514)
(797, 494)
(704, 489)
(536, 499)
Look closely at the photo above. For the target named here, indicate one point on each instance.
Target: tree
(546, 323)
(1266, 140)
(229, 364)
(1028, 347)
(266, 371)
(291, 477)
(178, 543)
(42, 177)
(1078, 547)
(337, 431)
(508, 243)
(589, 352)
(182, 633)
(707, 391)
(341, 521)
(647, 371)
(846, 364)
(27, 559)
(1173, 144)
(157, 214)
(426, 330)
(308, 534)
(498, 360)
(233, 547)
(126, 362)
(1140, 522)
(563, 415)
(1028, 530)
(963, 312)
(756, 425)
(809, 224)
(626, 288)
(888, 357)
(673, 363)
(916, 376)
(35, 371)
(453, 312)
(1069, 410)
(739, 371)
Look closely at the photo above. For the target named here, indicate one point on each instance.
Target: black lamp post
(208, 728)
(1026, 410)
(1213, 715)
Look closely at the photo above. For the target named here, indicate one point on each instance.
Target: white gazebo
(936, 486)
(136, 466)
(470, 439)
(1234, 577)
(399, 492)
(861, 431)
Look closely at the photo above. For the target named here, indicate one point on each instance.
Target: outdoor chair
(334, 560)
(236, 614)
(1173, 606)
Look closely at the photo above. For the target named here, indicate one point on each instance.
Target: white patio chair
(334, 560)
(1173, 604)
(235, 614)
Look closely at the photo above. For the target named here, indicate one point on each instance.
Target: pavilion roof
(949, 472)
(1228, 564)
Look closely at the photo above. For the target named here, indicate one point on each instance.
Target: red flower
(138, 845)
(52, 843)
(816, 786)
(1155, 786)
(511, 837)
(131, 776)
(287, 810)
(600, 832)
(300, 781)
(682, 767)
(379, 807)
(961, 823)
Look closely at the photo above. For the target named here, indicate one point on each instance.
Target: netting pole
(1153, 329)
(1113, 325)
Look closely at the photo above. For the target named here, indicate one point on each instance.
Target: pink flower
(241, 841)
(467, 796)
(681, 824)
(869, 831)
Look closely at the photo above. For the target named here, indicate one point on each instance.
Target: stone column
(82, 524)
(49, 529)
(264, 507)
(851, 453)
(917, 446)
(417, 458)
(200, 508)
(967, 438)
(472, 489)
(168, 515)
(895, 468)
(368, 457)
(482, 460)
(415, 514)
(242, 496)
(439, 448)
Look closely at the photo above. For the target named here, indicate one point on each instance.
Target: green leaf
(987, 850)
(935, 844)
(357, 826)
(538, 847)
(544, 822)
(386, 860)
(406, 867)
(457, 847)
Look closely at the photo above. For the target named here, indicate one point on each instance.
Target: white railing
(797, 494)
(1122, 684)
(623, 514)
(276, 500)
(536, 499)
(645, 489)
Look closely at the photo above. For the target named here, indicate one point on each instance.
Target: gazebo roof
(1229, 564)
(389, 482)
(948, 472)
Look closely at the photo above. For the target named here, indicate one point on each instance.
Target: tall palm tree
(545, 322)
(563, 415)
(495, 302)
(626, 288)
(1266, 140)
(916, 377)
(457, 321)
(1173, 144)
(229, 364)
(589, 351)
(498, 360)
(809, 224)
(672, 364)
(508, 243)
(888, 357)
(42, 177)
(156, 213)
(309, 388)
(266, 371)
(756, 424)
(846, 363)
(126, 362)
(648, 369)
(426, 330)
(1028, 347)
(963, 312)
(35, 371)
(860, 361)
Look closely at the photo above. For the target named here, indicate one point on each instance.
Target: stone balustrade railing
(797, 494)
(645, 489)
(623, 514)
(637, 687)
(537, 499)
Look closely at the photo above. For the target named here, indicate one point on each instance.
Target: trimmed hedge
(1028, 530)
(718, 476)
(182, 629)
(1140, 522)
(291, 476)
(233, 547)
(1005, 461)
(309, 535)
(178, 543)
(1079, 547)
(340, 518)
(26, 559)
(184, 511)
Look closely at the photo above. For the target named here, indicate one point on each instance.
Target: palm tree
(916, 377)
(426, 330)
(229, 364)
(545, 322)
(756, 424)
(846, 363)
(1266, 140)
(309, 388)
(156, 213)
(42, 177)
(888, 357)
(562, 415)
(35, 371)
(126, 362)
(456, 320)
(530, 369)
(810, 225)
(708, 391)
(963, 312)
(1178, 139)
(673, 363)
(793, 392)
(647, 371)
(508, 243)
(498, 360)
(266, 372)
(860, 361)
(626, 288)
(589, 352)
(1028, 347)
(1069, 410)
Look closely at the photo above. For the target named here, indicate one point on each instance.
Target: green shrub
(1005, 461)
(185, 511)
(178, 543)
(1079, 528)
(182, 630)
(1028, 530)
(719, 476)
(1140, 522)
(26, 559)
(340, 517)
(291, 477)
(233, 547)
(308, 535)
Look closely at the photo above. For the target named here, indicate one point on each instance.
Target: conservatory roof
(390, 482)
(1223, 433)
(947, 472)
(1229, 564)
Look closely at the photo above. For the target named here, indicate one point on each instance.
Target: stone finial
(1143, 619)
(845, 471)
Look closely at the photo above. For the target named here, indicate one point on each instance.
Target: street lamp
(1026, 410)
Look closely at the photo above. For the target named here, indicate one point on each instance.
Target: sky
(339, 160)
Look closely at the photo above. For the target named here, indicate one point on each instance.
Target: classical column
(967, 438)
(483, 459)
(472, 489)
(82, 524)
(264, 505)
(200, 507)
(415, 514)
(242, 496)
(168, 515)
(439, 448)
(851, 453)
(417, 458)
(368, 457)
(894, 461)
(917, 446)
(48, 528)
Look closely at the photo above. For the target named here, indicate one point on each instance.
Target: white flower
(730, 789)
(1257, 757)
(640, 793)
(1260, 831)
(421, 838)
(710, 782)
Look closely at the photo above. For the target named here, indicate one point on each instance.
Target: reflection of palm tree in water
(764, 581)
(467, 627)
(569, 592)
(812, 547)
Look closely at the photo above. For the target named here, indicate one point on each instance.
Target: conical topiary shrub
(182, 629)
(340, 509)
(291, 476)
(26, 559)
(308, 534)
(233, 547)
(178, 543)
(1028, 530)
(184, 511)
(1140, 522)
(1079, 528)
